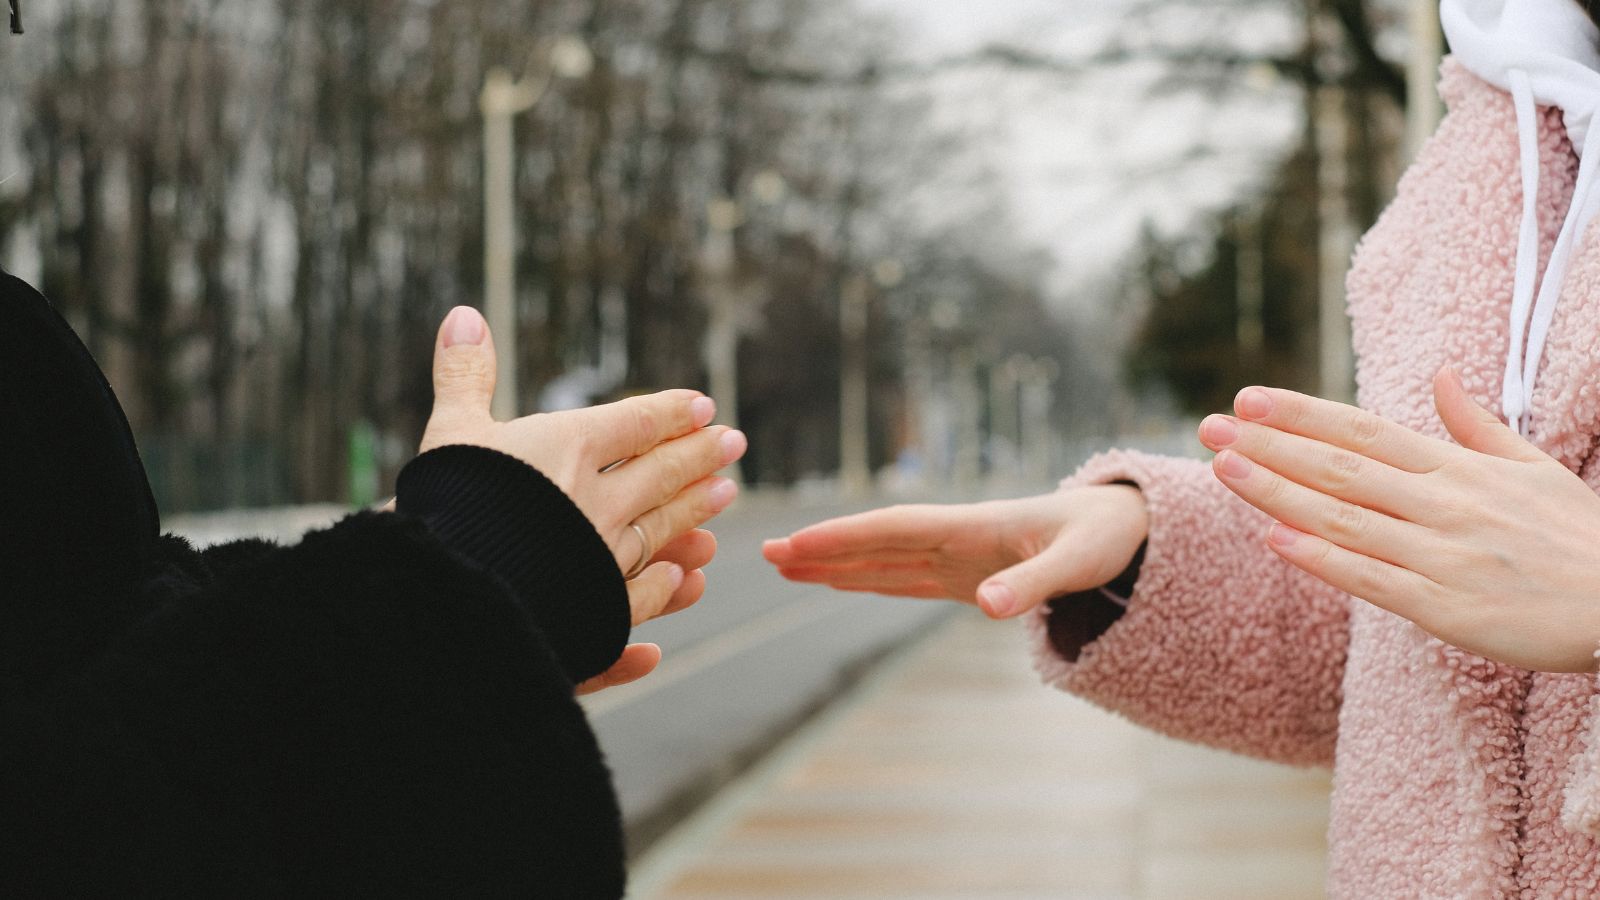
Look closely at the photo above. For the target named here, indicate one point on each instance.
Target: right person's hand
(666, 484)
(1004, 556)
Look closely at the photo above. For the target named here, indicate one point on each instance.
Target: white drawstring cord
(1534, 302)
(1513, 397)
(1579, 215)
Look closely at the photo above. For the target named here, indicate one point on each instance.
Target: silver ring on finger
(644, 553)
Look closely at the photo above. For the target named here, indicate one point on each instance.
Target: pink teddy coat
(1455, 777)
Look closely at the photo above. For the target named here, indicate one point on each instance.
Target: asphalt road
(741, 669)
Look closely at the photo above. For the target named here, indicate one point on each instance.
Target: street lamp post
(503, 98)
(855, 466)
(1330, 120)
(1423, 107)
(730, 299)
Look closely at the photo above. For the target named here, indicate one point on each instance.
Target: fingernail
(723, 493)
(1253, 403)
(733, 444)
(1233, 465)
(463, 326)
(1281, 535)
(703, 409)
(1218, 431)
(675, 575)
(998, 599)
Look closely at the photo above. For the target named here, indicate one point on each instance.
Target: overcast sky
(1086, 160)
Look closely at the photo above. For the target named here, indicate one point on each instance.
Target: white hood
(1544, 52)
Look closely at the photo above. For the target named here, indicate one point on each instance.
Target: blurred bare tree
(1258, 295)
(256, 211)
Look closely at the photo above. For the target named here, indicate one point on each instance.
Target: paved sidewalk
(953, 773)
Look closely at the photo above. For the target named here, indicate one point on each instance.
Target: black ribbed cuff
(504, 515)
(1078, 620)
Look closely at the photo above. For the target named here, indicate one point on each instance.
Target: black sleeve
(371, 712)
(482, 504)
(502, 515)
(1079, 619)
(1074, 621)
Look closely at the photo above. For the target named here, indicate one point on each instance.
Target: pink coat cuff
(1222, 642)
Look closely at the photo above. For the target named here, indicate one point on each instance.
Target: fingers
(637, 661)
(664, 471)
(873, 578)
(687, 594)
(1323, 467)
(1474, 427)
(694, 550)
(1349, 526)
(779, 551)
(653, 590)
(781, 554)
(463, 368)
(1397, 589)
(1342, 426)
(692, 507)
(894, 528)
(631, 427)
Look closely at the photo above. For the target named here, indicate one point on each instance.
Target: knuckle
(1348, 523)
(1341, 471)
(1316, 561)
(1369, 583)
(684, 513)
(1366, 430)
(1272, 492)
(462, 369)
(675, 471)
(1260, 443)
(680, 402)
(1290, 411)
(644, 424)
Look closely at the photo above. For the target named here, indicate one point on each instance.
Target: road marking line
(714, 651)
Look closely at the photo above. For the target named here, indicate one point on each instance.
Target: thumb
(1061, 568)
(463, 367)
(1474, 427)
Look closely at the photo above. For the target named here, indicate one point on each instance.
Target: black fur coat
(385, 709)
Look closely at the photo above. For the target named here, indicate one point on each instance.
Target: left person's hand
(666, 486)
(1492, 546)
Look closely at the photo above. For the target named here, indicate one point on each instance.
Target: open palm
(1005, 556)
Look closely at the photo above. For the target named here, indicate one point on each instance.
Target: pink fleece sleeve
(1222, 643)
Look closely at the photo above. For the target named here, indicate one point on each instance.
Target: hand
(1492, 545)
(1006, 556)
(665, 483)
